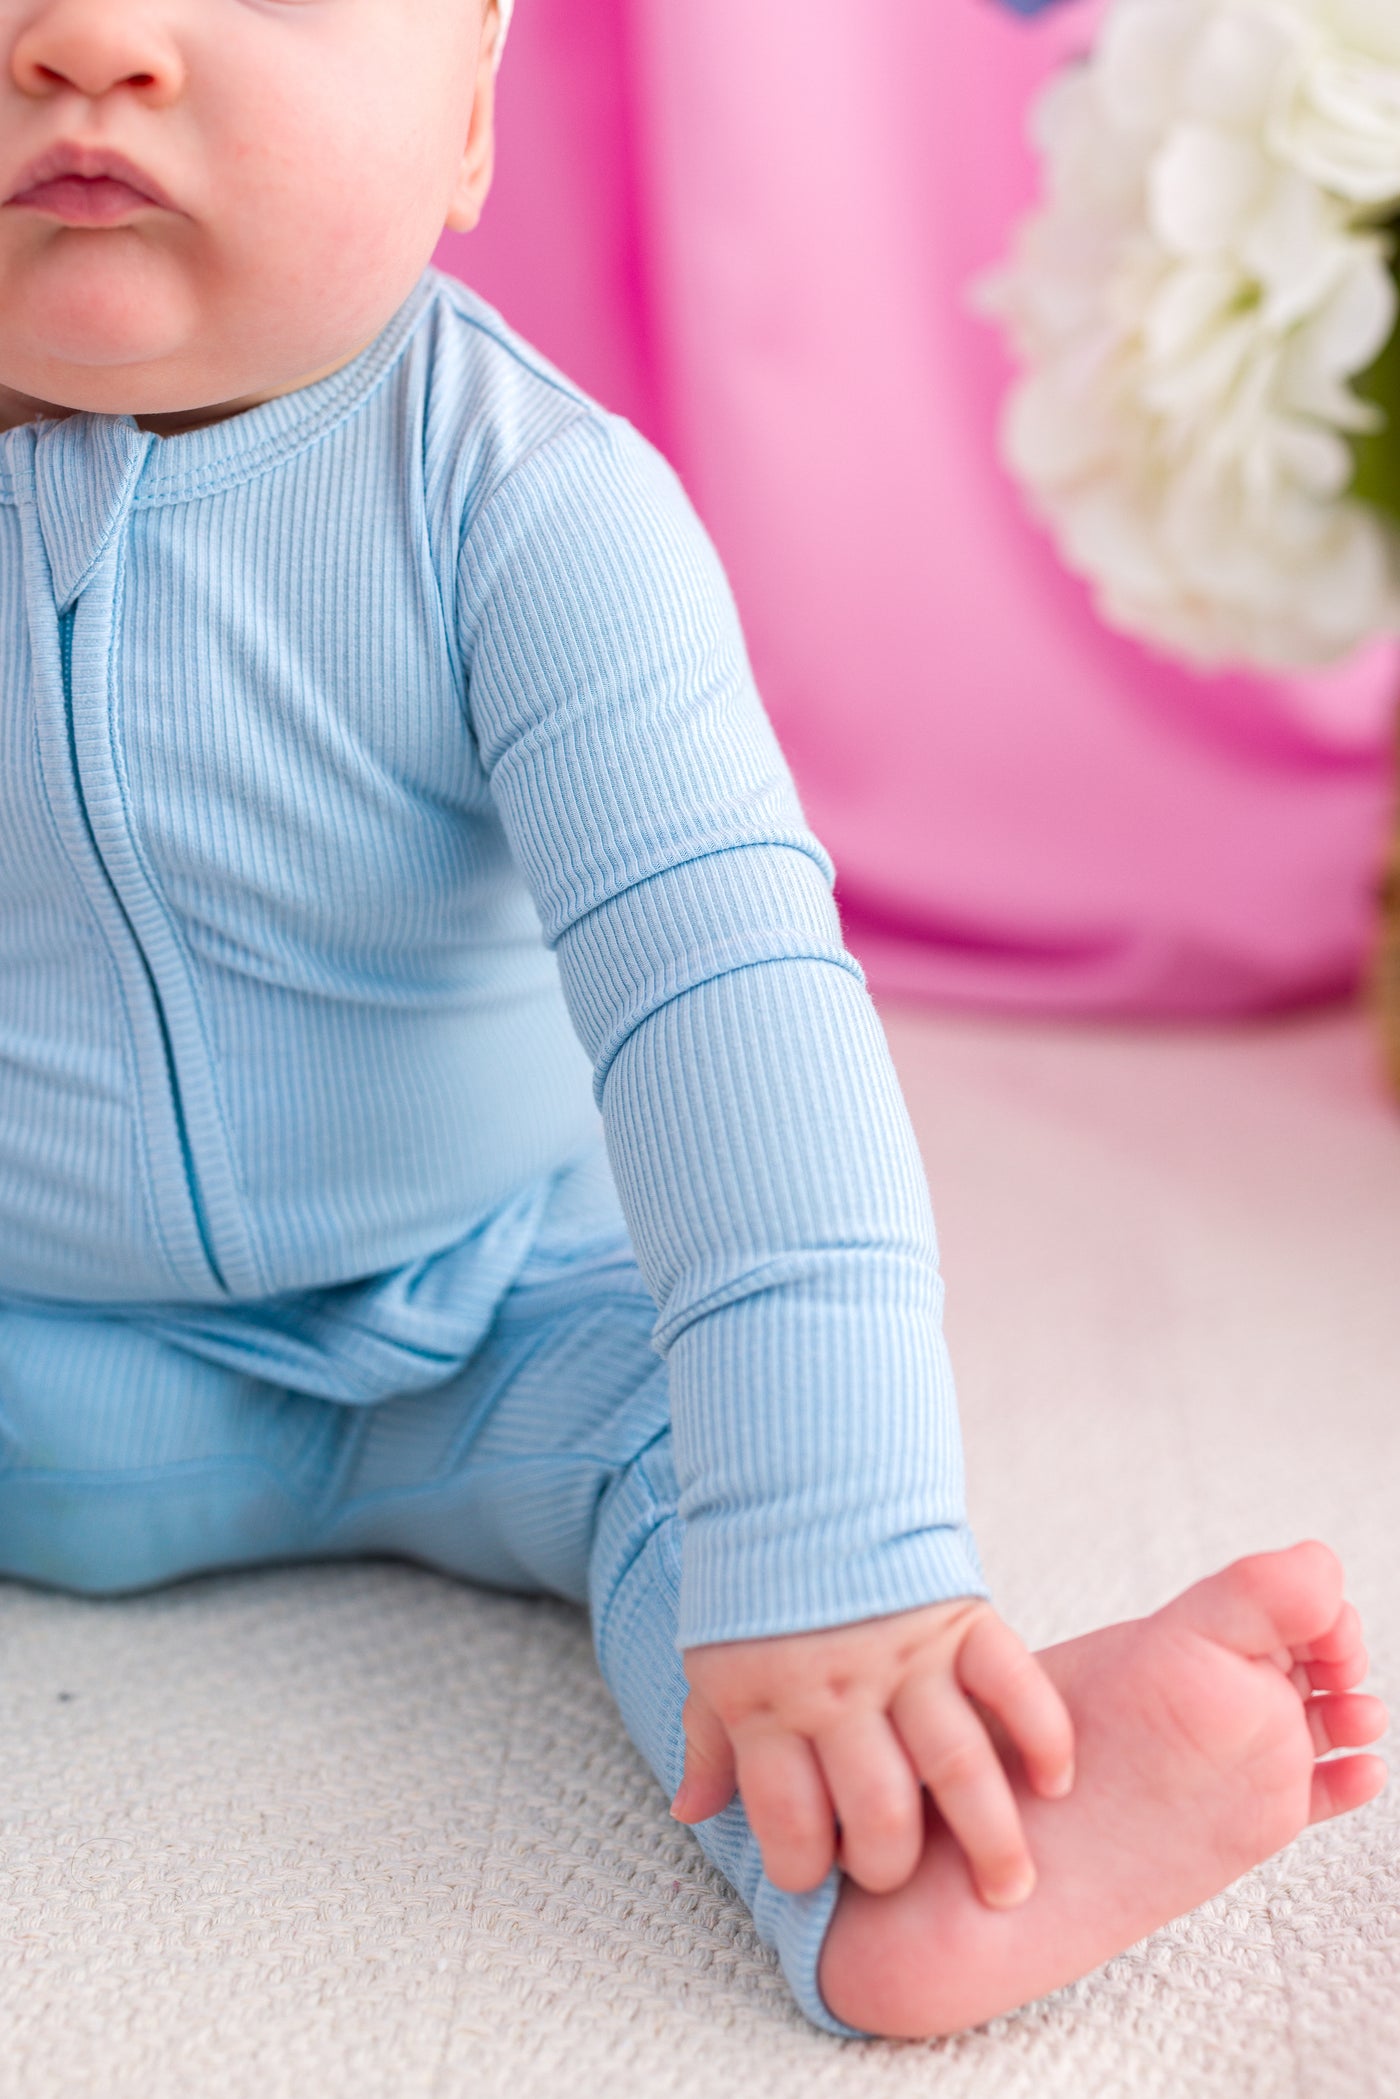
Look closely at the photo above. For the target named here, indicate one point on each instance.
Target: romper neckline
(241, 447)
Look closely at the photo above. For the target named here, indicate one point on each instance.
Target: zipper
(65, 638)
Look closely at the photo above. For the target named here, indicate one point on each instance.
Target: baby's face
(299, 159)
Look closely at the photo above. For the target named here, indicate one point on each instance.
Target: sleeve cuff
(763, 1588)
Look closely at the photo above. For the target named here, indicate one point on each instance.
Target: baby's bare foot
(1199, 1733)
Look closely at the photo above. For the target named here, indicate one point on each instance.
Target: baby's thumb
(710, 1775)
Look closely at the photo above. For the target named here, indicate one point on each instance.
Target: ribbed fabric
(311, 721)
(543, 1465)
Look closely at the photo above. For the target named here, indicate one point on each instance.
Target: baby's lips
(84, 203)
(98, 165)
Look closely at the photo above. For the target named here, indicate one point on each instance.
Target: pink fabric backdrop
(750, 228)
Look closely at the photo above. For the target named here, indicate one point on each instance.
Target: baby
(377, 731)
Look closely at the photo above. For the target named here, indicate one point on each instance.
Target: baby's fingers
(954, 1756)
(996, 1669)
(707, 1786)
(879, 1802)
(789, 1809)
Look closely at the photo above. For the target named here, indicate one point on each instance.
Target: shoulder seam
(505, 338)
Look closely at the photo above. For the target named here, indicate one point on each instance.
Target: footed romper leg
(636, 1595)
(125, 1463)
(544, 1465)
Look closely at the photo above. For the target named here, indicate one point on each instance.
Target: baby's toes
(1334, 1676)
(1337, 1659)
(1271, 1601)
(1349, 1720)
(1347, 1782)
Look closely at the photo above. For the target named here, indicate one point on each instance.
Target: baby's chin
(98, 323)
(121, 328)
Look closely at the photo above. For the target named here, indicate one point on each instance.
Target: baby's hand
(830, 1735)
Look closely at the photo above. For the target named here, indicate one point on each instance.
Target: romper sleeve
(761, 1146)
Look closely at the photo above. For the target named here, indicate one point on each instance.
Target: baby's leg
(1198, 1752)
(558, 1476)
(635, 1587)
(546, 1466)
(125, 1462)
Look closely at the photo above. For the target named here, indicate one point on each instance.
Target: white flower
(1206, 282)
(1338, 119)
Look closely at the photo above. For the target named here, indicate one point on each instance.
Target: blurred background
(752, 230)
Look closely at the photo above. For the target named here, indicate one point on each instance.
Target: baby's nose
(93, 46)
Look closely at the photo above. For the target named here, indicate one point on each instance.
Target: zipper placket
(66, 621)
(77, 488)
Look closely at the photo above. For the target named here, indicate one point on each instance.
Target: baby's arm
(841, 1728)
(761, 1146)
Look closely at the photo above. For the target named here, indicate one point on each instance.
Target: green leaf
(1377, 453)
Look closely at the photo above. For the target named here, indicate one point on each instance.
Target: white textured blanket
(361, 1833)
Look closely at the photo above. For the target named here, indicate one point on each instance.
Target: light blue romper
(362, 756)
